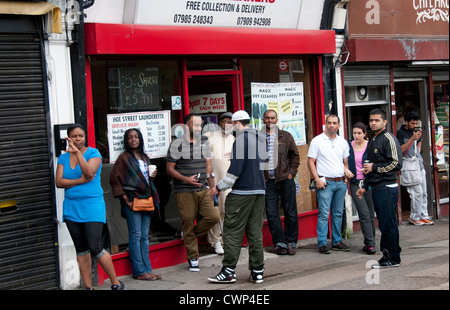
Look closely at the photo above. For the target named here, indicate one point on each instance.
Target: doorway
(216, 90)
(411, 95)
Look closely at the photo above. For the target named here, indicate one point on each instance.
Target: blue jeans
(332, 198)
(138, 228)
(385, 202)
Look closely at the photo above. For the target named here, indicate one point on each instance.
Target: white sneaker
(218, 248)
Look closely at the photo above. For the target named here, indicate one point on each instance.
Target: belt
(336, 179)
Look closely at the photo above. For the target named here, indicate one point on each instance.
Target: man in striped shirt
(188, 163)
(384, 154)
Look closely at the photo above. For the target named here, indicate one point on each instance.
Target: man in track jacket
(385, 161)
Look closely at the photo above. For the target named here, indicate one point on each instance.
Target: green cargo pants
(243, 214)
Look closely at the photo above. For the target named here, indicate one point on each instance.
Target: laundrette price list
(154, 126)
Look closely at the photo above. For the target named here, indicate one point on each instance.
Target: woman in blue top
(84, 212)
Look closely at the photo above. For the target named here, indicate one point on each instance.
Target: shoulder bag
(145, 204)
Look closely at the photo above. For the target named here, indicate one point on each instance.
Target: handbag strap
(415, 149)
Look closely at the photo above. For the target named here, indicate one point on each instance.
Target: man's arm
(392, 152)
(312, 168)
(171, 172)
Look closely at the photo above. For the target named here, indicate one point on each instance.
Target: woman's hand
(71, 146)
(128, 203)
(154, 173)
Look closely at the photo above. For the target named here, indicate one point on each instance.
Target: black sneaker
(256, 276)
(386, 262)
(226, 275)
(341, 247)
(118, 287)
(193, 265)
(324, 249)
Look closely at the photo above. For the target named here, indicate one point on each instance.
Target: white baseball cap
(239, 116)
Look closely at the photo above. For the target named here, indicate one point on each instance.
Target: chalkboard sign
(134, 88)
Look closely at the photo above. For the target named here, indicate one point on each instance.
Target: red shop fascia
(129, 40)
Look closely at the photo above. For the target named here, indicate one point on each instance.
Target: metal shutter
(366, 75)
(28, 247)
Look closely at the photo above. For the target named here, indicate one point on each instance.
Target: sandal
(148, 277)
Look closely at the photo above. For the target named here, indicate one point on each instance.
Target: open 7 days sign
(220, 13)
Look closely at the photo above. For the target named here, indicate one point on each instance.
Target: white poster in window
(287, 99)
(264, 97)
(154, 126)
(291, 110)
(209, 103)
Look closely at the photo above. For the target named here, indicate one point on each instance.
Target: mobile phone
(197, 176)
(63, 145)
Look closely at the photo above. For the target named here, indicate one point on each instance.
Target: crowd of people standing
(226, 180)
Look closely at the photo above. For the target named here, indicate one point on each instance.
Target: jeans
(138, 229)
(332, 198)
(286, 190)
(385, 201)
(366, 213)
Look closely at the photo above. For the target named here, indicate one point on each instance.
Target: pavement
(425, 266)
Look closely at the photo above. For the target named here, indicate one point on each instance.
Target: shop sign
(210, 103)
(389, 18)
(154, 126)
(221, 13)
(287, 99)
(134, 87)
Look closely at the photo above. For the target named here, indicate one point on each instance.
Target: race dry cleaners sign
(154, 126)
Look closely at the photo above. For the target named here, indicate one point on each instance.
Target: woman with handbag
(364, 206)
(131, 182)
(84, 210)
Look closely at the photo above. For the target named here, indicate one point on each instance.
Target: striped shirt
(270, 148)
(190, 159)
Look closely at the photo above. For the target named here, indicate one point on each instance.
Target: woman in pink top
(364, 206)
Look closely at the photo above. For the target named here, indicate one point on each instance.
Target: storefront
(398, 62)
(151, 76)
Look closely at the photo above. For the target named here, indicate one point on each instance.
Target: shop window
(441, 113)
(279, 71)
(360, 100)
(130, 87)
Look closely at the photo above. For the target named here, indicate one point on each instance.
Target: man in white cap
(244, 206)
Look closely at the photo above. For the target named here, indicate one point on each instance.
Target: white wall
(61, 112)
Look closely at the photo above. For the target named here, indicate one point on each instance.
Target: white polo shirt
(329, 155)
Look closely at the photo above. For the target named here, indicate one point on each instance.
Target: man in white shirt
(328, 163)
(221, 142)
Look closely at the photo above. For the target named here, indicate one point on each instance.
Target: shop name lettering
(132, 120)
(214, 7)
(427, 10)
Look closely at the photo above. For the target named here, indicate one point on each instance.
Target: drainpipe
(329, 70)
(78, 65)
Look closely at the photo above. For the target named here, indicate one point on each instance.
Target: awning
(33, 8)
(126, 39)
